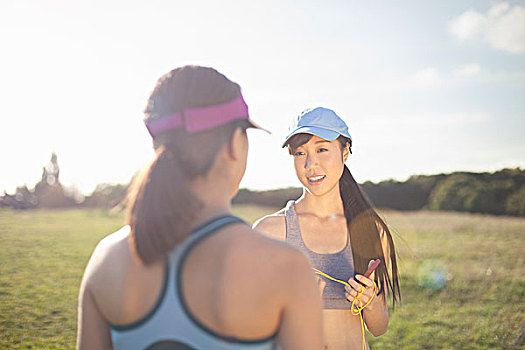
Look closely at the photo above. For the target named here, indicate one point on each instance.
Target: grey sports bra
(170, 324)
(339, 265)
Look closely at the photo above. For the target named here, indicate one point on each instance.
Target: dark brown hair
(365, 227)
(161, 205)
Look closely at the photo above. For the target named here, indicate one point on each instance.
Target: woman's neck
(325, 206)
(209, 212)
(214, 198)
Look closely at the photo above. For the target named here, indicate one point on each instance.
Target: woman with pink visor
(338, 229)
(184, 273)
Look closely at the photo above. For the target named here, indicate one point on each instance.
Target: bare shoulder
(264, 255)
(106, 255)
(273, 225)
(282, 254)
(292, 265)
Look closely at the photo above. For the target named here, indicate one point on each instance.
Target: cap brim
(328, 135)
(257, 126)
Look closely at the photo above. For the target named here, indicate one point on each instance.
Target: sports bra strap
(215, 224)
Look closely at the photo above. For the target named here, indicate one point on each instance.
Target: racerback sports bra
(170, 324)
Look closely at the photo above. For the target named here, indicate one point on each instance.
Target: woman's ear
(237, 144)
(346, 152)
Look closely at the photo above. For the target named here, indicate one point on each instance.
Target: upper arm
(93, 331)
(301, 322)
(272, 225)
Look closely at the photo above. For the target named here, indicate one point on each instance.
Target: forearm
(376, 316)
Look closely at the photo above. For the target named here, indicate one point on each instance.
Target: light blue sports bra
(170, 324)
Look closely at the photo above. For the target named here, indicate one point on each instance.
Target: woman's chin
(321, 189)
(317, 190)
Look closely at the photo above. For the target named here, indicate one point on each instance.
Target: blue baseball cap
(321, 122)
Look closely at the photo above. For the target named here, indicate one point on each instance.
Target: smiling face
(319, 164)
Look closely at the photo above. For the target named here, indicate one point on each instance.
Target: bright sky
(425, 86)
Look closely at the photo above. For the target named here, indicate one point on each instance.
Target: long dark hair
(366, 228)
(161, 206)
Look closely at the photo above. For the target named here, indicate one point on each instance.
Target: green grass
(43, 254)
(482, 304)
(41, 263)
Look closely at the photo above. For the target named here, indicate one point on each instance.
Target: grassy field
(479, 259)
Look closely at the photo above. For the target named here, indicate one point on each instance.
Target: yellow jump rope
(356, 310)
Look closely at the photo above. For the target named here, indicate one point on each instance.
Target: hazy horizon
(297, 185)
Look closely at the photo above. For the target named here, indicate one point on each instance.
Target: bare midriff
(342, 330)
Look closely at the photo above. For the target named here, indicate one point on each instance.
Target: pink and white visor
(202, 118)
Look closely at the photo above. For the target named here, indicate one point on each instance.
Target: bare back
(237, 283)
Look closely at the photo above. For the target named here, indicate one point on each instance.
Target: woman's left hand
(352, 293)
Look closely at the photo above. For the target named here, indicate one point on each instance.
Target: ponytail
(163, 208)
(367, 232)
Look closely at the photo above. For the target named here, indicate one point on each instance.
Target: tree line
(500, 193)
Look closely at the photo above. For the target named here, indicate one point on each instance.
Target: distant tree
(25, 198)
(412, 194)
(106, 195)
(515, 204)
(273, 198)
(22, 199)
(490, 197)
(74, 193)
(477, 192)
(454, 193)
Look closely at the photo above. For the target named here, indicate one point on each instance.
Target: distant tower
(51, 172)
(49, 191)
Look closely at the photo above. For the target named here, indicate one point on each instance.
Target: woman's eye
(296, 154)
(322, 150)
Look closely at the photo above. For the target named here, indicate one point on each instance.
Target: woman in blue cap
(338, 229)
(184, 273)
